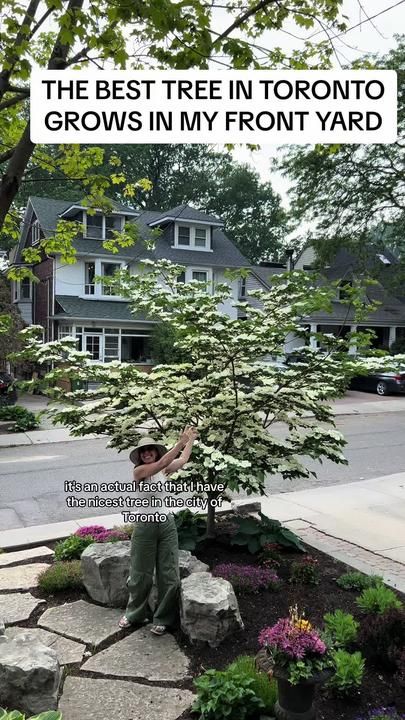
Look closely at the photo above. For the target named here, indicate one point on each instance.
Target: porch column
(353, 344)
(392, 336)
(313, 342)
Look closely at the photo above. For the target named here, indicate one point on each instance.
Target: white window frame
(119, 332)
(207, 270)
(98, 287)
(17, 292)
(103, 224)
(193, 228)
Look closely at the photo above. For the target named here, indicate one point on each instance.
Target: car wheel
(381, 388)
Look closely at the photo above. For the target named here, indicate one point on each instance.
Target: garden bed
(262, 609)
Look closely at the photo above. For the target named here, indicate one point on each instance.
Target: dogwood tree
(253, 417)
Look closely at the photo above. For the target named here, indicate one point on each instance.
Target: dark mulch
(263, 609)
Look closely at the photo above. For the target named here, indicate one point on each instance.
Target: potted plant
(301, 661)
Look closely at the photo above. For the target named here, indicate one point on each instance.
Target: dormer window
(183, 237)
(193, 237)
(200, 238)
(102, 227)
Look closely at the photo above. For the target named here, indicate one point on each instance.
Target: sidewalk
(361, 524)
(353, 403)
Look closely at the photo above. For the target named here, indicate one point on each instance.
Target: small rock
(189, 564)
(209, 610)
(246, 507)
(2, 627)
(29, 675)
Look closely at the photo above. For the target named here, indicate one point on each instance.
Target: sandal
(158, 629)
(124, 623)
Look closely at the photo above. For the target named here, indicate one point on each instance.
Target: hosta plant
(224, 695)
(256, 534)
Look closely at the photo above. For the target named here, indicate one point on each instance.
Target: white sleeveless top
(156, 497)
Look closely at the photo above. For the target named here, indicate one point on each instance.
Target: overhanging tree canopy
(353, 195)
(123, 35)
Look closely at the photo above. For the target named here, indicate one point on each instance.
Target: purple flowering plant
(296, 647)
(100, 534)
(91, 530)
(382, 713)
(247, 578)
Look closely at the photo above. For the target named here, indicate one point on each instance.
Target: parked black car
(383, 383)
(8, 393)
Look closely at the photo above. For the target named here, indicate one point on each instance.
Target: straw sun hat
(146, 441)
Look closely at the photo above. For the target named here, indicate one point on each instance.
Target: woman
(155, 544)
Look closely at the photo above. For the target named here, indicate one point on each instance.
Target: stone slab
(68, 651)
(21, 577)
(12, 558)
(87, 698)
(82, 621)
(17, 607)
(142, 655)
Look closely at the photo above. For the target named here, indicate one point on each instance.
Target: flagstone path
(138, 677)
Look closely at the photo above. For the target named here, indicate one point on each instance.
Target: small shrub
(61, 576)
(270, 556)
(305, 571)
(341, 628)
(382, 637)
(378, 599)
(23, 419)
(72, 547)
(224, 695)
(16, 715)
(349, 669)
(247, 578)
(358, 581)
(126, 529)
(263, 686)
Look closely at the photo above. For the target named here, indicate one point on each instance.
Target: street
(32, 478)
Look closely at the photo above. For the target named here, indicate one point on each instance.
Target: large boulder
(29, 675)
(188, 564)
(209, 610)
(105, 568)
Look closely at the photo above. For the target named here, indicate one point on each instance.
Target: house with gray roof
(66, 299)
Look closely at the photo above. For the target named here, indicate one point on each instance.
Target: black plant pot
(295, 702)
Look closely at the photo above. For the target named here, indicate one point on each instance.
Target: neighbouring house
(66, 300)
(387, 321)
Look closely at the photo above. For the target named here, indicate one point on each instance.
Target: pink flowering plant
(296, 647)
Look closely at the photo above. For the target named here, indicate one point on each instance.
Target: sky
(376, 36)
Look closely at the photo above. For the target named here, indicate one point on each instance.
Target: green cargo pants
(154, 545)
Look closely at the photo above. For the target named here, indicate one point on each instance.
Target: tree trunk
(11, 180)
(210, 531)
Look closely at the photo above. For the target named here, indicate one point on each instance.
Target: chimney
(290, 263)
